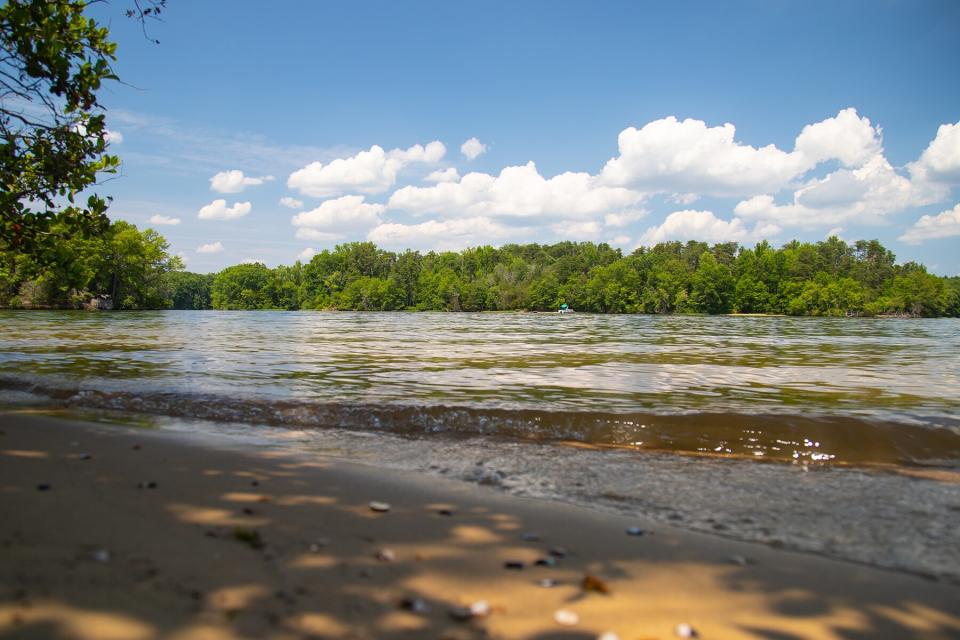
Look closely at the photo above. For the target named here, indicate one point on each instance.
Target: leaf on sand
(249, 537)
(595, 584)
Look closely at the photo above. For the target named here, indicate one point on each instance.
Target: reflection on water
(764, 387)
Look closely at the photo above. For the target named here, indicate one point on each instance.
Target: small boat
(564, 308)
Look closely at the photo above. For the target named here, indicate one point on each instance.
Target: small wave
(817, 439)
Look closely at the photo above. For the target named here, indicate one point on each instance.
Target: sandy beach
(114, 532)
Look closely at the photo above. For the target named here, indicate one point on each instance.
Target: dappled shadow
(262, 545)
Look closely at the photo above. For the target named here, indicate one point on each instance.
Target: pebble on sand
(595, 584)
(379, 507)
(514, 565)
(635, 531)
(43, 487)
(566, 617)
(101, 555)
(684, 630)
(385, 555)
(416, 605)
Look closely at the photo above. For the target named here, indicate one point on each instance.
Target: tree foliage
(53, 138)
(829, 278)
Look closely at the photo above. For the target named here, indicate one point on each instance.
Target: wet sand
(155, 535)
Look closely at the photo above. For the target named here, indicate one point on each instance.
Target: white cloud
(623, 219)
(836, 231)
(517, 192)
(291, 203)
(704, 226)
(847, 138)
(620, 241)
(158, 219)
(234, 181)
(443, 175)
(574, 230)
(213, 247)
(218, 210)
(306, 254)
(371, 171)
(690, 158)
(865, 195)
(305, 233)
(335, 217)
(444, 234)
(943, 225)
(940, 161)
(473, 148)
(113, 137)
(253, 261)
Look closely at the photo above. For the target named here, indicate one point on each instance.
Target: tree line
(135, 270)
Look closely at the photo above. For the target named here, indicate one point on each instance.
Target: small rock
(416, 605)
(548, 583)
(635, 531)
(558, 552)
(136, 447)
(379, 507)
(740, 560)
(545, 562)
(444, 512)
(254, 483)
(608, 635)
(514, 565)
(101, 555)
(86, 456)
(43, 487)
(146, 485)
(530, 537)
(480, 609)
(684, 630)
(460, 614)
(248, 511)
(566, 617)
(385, 555)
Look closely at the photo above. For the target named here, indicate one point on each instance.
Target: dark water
(822, 390)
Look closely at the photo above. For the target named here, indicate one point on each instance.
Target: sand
(112, 532)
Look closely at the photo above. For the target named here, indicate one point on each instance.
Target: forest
(134, 269)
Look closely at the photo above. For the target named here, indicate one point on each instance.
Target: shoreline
(173, 567)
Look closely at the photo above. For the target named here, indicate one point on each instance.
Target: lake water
(822, 390)
(834, 436)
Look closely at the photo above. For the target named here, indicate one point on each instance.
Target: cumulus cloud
(574, 230)
(234, 181)
(518, 192)
(943, 225)
(113, 137)
(690, 158)
(849, 138)
(291, 203)
(443, 175)
(371, 171)
(218, 210)
(333, 218)
(867, 194)
(158, 219)
(213, 247)
(443, 234)
(473, 149)
(623, 219)
(940, 161)
(306, 254)
(706, 227)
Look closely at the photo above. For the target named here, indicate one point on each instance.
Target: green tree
(53, 138)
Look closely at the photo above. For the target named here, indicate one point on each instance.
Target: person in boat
(564, 308)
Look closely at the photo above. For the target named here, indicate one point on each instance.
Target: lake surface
(856, 420)
(823, 391)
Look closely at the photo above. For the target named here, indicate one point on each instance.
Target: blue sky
(272, 130)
